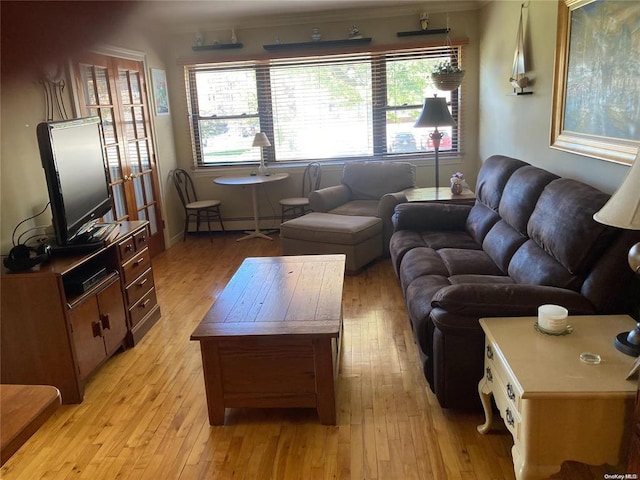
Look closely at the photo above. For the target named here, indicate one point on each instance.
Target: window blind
(339, 106)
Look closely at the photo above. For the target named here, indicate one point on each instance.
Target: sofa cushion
(475, 278)
(480, 220)
(562, 224)
(501, 243)
(363, 208)
(493, 177)
(465, 261)
(530, 264)
(521, 194)
(420, 262)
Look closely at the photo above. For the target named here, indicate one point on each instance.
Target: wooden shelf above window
(434, 31)
(320, 44)
(216, 46)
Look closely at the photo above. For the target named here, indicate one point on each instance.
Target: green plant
(445, 67)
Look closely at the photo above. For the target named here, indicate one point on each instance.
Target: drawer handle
(138, 262)
(489, 374)
(129, 247)
(509, 417)
(145, 303)
(105, 320)
(489, 352)
(510, 393)
(143, 239)
(96, 329)
(141, 284)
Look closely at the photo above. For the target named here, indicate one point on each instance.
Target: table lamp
(623, 211)
(435, 113)
(261, 140)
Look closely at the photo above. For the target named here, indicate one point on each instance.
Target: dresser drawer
(134, 267)
(509, 413)
(141, 239)
(145, 305)
(127, 249)
(139, 287)
(494, 362)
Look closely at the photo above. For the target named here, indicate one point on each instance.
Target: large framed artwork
(596, 91)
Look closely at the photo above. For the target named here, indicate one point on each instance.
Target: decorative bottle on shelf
(234, 39)
(424, 21)
(316, 36)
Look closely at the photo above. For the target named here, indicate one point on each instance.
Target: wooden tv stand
(56, 332)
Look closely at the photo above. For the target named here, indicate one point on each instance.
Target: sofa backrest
(372, 180)
(539, 229)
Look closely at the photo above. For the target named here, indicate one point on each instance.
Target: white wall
(520, 126)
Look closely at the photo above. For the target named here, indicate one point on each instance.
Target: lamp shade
(261, 140)
(435, 113)
(623, 208)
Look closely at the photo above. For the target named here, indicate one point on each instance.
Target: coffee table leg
(325, 386)
(213, 382)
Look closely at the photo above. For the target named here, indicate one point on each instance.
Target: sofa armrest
(388, 203)
(430, 216)
(386, 206)
(329, 198)
(454, 305)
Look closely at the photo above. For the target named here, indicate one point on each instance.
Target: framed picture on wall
(160, 93)
(596, 91)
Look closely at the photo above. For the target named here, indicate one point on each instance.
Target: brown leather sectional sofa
(530, 239)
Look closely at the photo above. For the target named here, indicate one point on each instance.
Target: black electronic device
(22, 258)
(82, 279)
(72, 156)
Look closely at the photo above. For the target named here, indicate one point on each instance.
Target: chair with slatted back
(296, 206)
(202, 210)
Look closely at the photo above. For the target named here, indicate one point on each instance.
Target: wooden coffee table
(272, 338)
(24, 409)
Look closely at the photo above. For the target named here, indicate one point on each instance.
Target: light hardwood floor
(144, 414)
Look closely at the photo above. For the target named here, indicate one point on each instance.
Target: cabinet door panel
(112, 317)
(87, 336)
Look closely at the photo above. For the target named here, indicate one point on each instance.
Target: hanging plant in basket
(447, 77)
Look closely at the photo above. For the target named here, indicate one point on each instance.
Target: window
(316, 108)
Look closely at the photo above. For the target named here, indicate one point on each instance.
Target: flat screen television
(72, 156)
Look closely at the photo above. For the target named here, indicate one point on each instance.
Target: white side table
(254, 181)
(555, 406)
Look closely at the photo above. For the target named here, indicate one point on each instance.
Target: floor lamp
(261, 140)
(435, 113)
(623, 211)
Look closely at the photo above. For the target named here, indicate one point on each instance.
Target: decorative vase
(316, 36)
(456, 188)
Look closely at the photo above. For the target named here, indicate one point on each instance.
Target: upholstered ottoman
(358, 237)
